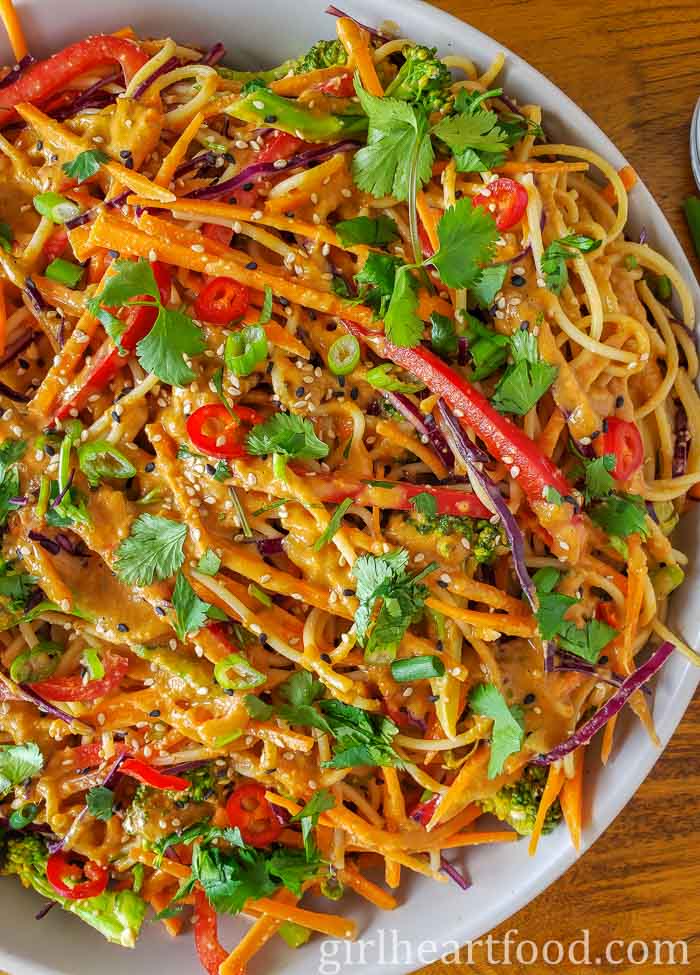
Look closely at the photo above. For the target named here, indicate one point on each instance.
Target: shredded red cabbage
(269, 546)
(207, 158)
(45, 706)
(214, 54)
(335, 12)
(282, 815)
(34, 297)
(46, 543)
(93, 97)
(12, 76)
(425, 425)
(61, 494)
(169, 65)
(454, 874)
(88, 215)
(679, 464)
(188, 766)
(612, 707)
(263, 168)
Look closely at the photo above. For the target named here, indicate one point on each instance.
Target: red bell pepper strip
(214, 231)
(279, 145)
(56, 244)
(423, 812)
(58, 868)
(108, 360)
(42, 79)
(399, 497)
(622, 439)
(206, 934)
(145, 773)
(342, 86)
(73, 689)
(248, 809)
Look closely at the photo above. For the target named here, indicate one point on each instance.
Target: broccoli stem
(264, 106)
(272, 74)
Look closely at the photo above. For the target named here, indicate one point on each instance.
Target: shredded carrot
(555, 781)
(257, 935)
(14, 29)
(3, 319)
(608, 737)
(476, 839)
(294, 85)
(512, 167)
(159, 901)
(166, 173)
(428, 218)
(571, 798)
(62, 138)
(454, 799)
(636, 575)
(628, 177)
(547, 440)
(496, 622)
(356, 42)
(365, 888)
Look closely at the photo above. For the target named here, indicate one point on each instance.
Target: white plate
(504, 878)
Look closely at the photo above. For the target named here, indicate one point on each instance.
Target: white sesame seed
(198, 248)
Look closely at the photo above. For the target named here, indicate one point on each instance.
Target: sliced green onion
(23, 816)
(6, 237)
(240, 511)
(223, 740)
(93, 664)
(333, 524)
(245, 350)
(294, 934)
(36, 663)
(65, 272)
(663, 288)
(631, 262)
(692, 215)
(257, 593)
(417, 668)
(248, 677)
(344, 355)
(57, 208)
(270, 507)
(42, 502)
(138, 870)
(101, 459)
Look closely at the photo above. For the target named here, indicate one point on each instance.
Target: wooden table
(634, 67)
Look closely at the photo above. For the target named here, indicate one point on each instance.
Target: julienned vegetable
(154, 777)
(246, 677)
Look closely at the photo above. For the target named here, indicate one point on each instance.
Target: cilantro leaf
(468, 238)
(588, 641)
(10, 452)
(508, 732)
(130, 279)
(333, 525)
(288, 435)
(382, 377)
(191, 612)
(200, 830)
(425, 504)
(16, 587)
(308, 817)
(397, 136)
(489, 283)
(376, 281)
(173, 336)
(17, 763)
(546, 579)
(527, 380)
(209, 564)
(599, 483)
(6, 237)
(487, 348)
(550, 613)
(361, 737)
(621, 515)
(257, 709)
(100, 802)
(560, 251)
(475, 138)
(443, 336)
(300, 691)
(152, 550)
(85, 164)
(402, 324)
(367, 230)
(402, 598)
(294, 867)
(230, 879)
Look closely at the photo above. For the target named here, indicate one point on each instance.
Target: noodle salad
(343, 435)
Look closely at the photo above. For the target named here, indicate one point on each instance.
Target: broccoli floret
(203, 786)
(517, 804)
(486, 540)
(422, 79)
(324, 54)
(117, 915)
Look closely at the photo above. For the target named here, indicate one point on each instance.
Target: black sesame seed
(517, 280)
(595, 434)
(233, 200)
(113, 254)
(313, 316)
(229, 691)
(125, 153)
(263, 638)
(459, 194)
(442, 583)
(23, 363)
(160, 610)
(51, 451)
(529, 699)
(127, 389)
(122, 627)
(283, 301)
(433, 698)
(348, 592)
(251, 266)
(39, 145)
(439, 646)
(604, 659)
(354, 392)
(619, 401)
(270, 119)
(270, 366)
(155, 713)
(248, 186)
(116, 416)
(150, 467)
(525, 323)
(341, 381)
(299, 392)
(605, 426)
(180, 803)
(228, 157)
(129, 163)
(326, 657)
(210, 469)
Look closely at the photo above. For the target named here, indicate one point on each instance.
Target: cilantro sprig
(526, 380)
(558, 253)
(85, 164)
(508, 731)
(587, 641)
(286, 436)
(152, 550)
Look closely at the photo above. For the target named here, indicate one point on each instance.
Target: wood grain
(634, 67)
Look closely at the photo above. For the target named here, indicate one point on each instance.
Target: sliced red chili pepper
(59, 869)
(214, 231)
(342, 86)
(56, 244)
(73, 689)
(44, 78)
(423, 812)
(220, 632)
(143, 772)
(248, 809)
(505, 199)
(108, 360)
(222, 301)
(623, 439)
(228, 437)
(206, 934)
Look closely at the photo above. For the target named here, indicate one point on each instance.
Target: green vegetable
(417, 668)
(65, 272)
(100, 802)
(203, 785)
(308, 817)
(367, 230)
(361, 737)
(508, 730)
(101, 459)
(6, 237)
(586, 641)
(247, 676)
(665, 579)
(209, 564)
(443, 336)
(173, 336)
(376, 281)
(245, 350)
(599, 482)
(663, 288)
(518, 804)
(343, 355)
(486, 541)
(90, 659)
(57, 208)
(423, 79)
(667, 515)
(425, 504)
(26, 814)
(558, 253)
(17, 763)
(402, 324)
(299, 693)
(10, 452)
(402, 596)
(286, 435)
(333, 525)
(259, 103)
(36, 663)
(474, 135)
(15, 587)
(191, 612)
(382, 377)
(526, 380)
(323, 54)
(621, 515)
(488, 349)
(294, 935)
(263, 77)
(85, 164)
(117, 915)
(692, 215)
(152, 550)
